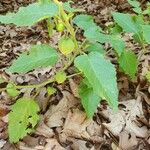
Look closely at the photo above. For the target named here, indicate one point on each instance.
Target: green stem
(36, 85)
(50, 27)
(51, 80)
(69, 27)
(70, 62)
(75, 74)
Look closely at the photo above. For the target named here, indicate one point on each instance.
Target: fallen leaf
(57, 113)
(44, 130)
(125, 118)
(52, 144)
(127, 141)
(76, 125)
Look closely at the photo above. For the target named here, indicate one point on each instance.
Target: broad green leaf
(139, 38)
(128, 63)
(136, 6)
(96, 47)
(68, 7)
(101, 74)
(115, 30)
(89, 99)
(38, 56)
(22, 118)
(28, 16)
(118, 44)
(85, 22)
(11, 90)
(60, 77)
(147, 10)
(95, 36)
(93, 33)
(127, 22)
(134, 3)
(146, 33)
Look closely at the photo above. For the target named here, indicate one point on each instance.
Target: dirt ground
(63, 124)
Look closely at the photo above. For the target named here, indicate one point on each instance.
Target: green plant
(99, 74)
(135, 24)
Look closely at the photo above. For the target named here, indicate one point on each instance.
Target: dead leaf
(127, 141)
(79, 145)
(52, 144)
(2, 143)
(76, 125)
(44, 130)
(57, 113)
(74, 88)
(125, 118)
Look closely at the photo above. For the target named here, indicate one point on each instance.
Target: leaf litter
(63, 123)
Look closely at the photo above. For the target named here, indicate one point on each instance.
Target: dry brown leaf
(76, 123)
(125, 119)
(126, 141)
(79, 145)
(2, 143)
(76, 126)
(23, 146)
(74, 88)
(57, 113)
(44, 130)
(52, 144)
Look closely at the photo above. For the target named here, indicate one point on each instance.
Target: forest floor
(63, 124)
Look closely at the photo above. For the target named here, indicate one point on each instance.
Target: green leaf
(136, 6)
(118, 44)
(28, 16)
(96, 47)
(60, 77)
(89, 99)
(86, 23)
(134, 3)
(128, 63)
(11, 90)
(115, 30)
(68, 8)
(146, 33)
(101, 75)
(96, 36)
(22, 118)
(127, 22)
(147, 10)
(38, 56)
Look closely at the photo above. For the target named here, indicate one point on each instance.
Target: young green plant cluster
(99, 74)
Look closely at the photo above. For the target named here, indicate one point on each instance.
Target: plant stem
(49, 27)
(69, 27)
(51, 80)
(36, 85)
(75, 74)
